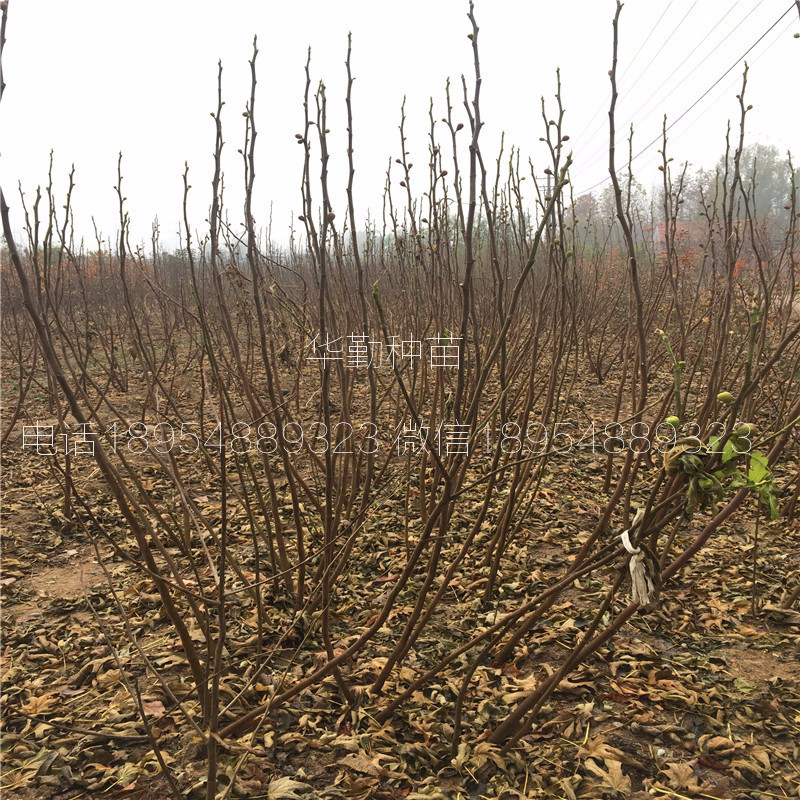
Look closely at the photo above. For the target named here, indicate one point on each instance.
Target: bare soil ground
(700, 698)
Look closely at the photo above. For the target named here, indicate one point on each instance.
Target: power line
(630, 64)
(647, 39)
(597, 153)
(726, 88)
(716, 82)
(649, 63)
(703, 61)
(666, 42)
(702, 96)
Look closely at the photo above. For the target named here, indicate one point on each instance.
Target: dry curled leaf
(287, 789)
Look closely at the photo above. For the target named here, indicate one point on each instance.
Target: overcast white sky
(90, 78)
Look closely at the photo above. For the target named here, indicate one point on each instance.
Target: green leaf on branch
(759, 468)
(729, 451)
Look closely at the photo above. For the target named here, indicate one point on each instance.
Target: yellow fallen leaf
(39, 705)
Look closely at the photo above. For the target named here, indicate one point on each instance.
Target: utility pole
(547, 196)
